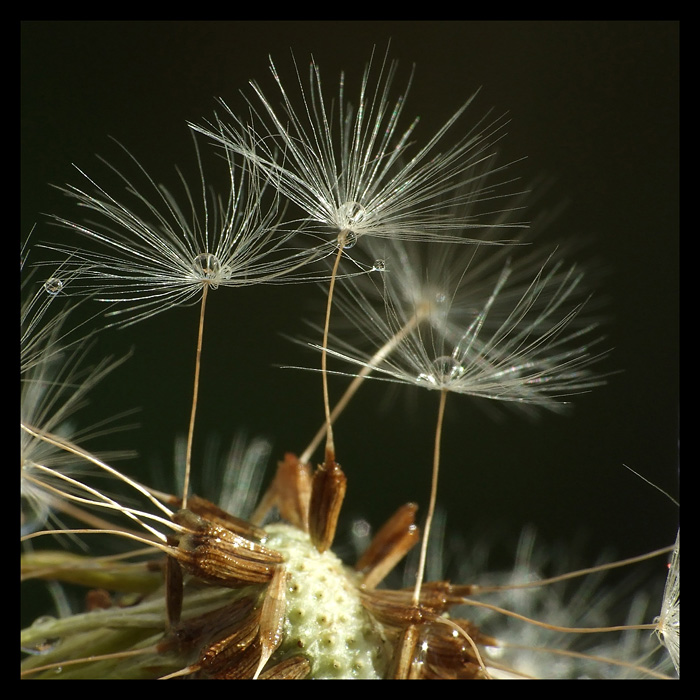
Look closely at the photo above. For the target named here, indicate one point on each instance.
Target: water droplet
(425, 378)
(379, 265)
(53, 286)
(347, 239)
(208, 267)
(444, 370)
(447, 367)
(350, 214)
(43, 646)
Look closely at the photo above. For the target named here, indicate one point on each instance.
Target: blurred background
(593, 106)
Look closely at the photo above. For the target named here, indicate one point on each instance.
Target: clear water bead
(347, 239)
(207, 266)
(53, 286)
(379, 265)
(43, 646)
(444, 369)
(350, 214)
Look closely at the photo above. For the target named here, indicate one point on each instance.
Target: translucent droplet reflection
(207, 266)
(350, 214)
(43, 646)
(379, 265)
(444, 370)
(53, 286)
(347, 239)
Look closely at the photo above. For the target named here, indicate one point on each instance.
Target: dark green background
(593, 105)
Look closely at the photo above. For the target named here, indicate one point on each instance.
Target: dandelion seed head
(148, 249)
(56, 381)
(351, 216)
(669, 621)
(355, 167)
(513, 333)
(207, 267)
(325, 616)
(503, 326)
(446, 370)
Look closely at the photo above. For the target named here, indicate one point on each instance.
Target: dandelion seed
(353, 169)
(669, 622)
(498, 337)
(147, 252)
(55, 386)
(359, 176)
(154, 255)
(529, 354)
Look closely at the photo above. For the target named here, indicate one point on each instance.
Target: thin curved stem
(433, 498)
(385, 350)
(195, 394)
(330, 444)
(476, 589)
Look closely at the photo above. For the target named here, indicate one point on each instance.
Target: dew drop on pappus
(350, 214)
(207, 266)
(444, 369)
(347, 239)
(53, 286)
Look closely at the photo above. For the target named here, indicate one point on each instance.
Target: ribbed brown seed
(290, 492)
(211, 512)
(272, 615)
(395, 607)
(197, 633)
(217, 555)
(403, 665)
(445, 654)
(425, 646)
(293, 668)
(235, 655)
(327, 494)
(243, 665)
(391, 543)
(392, 610)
